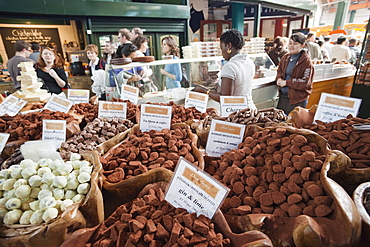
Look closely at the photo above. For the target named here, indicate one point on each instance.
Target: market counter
(81, 82)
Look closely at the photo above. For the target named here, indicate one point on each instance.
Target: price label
(195, 190)
(230, 104)
(58, 103)
(155, 117)
(197, 100)
(78, 96)
(108, 109)
(3, 140)
(130, 93)
(223, 136)
(54, 130)
(334, 107)
(11, 105)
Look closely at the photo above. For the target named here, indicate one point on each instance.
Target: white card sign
(130, 93)
(109, 109)
(223, 136)
(195, 190)
(334, 107)
(57, 103)
(54, 130)
(3, 140)
(155, 117)
(78, 95)
(197, 100)
(230, 104)
(11, 105)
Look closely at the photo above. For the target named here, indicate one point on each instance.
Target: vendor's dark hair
(20, 45)
(128, 49)
(35, 46)
(340, 40)
(298, 37)
(234, 37)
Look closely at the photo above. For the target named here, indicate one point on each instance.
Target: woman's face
(144, 47)
(48, 56)
(294, 47)
(224, 48)
(165, 48)
(91, 55)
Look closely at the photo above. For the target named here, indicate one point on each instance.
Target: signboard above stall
(43, 36)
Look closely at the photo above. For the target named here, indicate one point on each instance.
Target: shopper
(171, 71)
(327, 45)
(141, 42)
(109, 52)
(22, 52)
(324, 52)
(237, 74)
(294, 75)
(355, 50)
(313, 49)
(50, 69)
(124, 37)
(278, 51)
(95, 63)
(54, 46)
(36, 48)
(130, 51)
(340, 51)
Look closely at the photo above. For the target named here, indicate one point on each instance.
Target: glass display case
(204, 71)
(211, 30)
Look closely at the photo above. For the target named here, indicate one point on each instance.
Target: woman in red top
(294, 75)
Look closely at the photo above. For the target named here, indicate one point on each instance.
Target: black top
(49, 82)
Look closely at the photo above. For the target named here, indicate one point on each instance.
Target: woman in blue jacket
(171, 71)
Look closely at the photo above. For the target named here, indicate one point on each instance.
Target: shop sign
(230, 104)
(109, 109)
(197, 100)
(223, 136)
(334, 107)
(3, 140)
(195, 190)
(130, 93)
(58, 103)
(54, 130)
(43, 36)
(11, 105)
(78, 96)
(155, 117)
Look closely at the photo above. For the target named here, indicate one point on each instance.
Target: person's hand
(134, 78)
(163, 72)
(281, 83)
(200, 89)
(52, 73)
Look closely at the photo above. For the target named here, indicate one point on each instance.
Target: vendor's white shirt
(328, 46)
(340, 52)
(92, 66)
(241, 70)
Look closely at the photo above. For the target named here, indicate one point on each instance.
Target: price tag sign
(108, 109)
(223, 136)
(54, 130)
(78, 95)
(155, 117)
(57, 103)
(197, 100)
(3, 140)
(195, 190)
(130, 93)
(230, 104)
(11, 105)
(334, 107)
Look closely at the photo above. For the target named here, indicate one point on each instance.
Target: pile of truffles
(89, 111)
(341, 136)
(151, 221)
(144, 151)
(273, 171)
(94, 133)
(29, 126)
